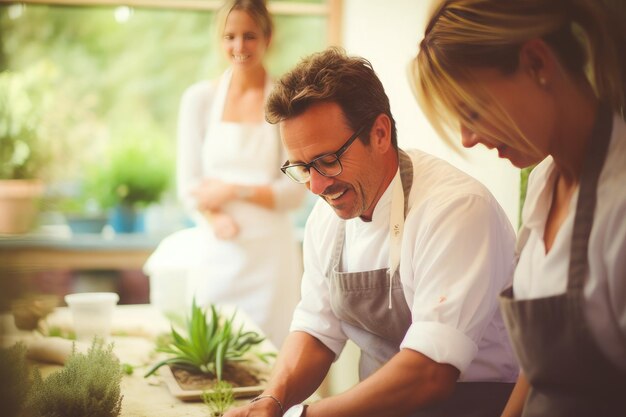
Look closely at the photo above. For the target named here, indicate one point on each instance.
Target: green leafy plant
(219, 398)
(208, 343)
(136, 172)
(88, 385)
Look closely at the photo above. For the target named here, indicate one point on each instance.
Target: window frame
(332, 9)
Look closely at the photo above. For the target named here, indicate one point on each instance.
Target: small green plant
(57, 331)
(14, 373)
(208, 343)
(136, 173)
(219, 398)
(88, 385)
(128, 369)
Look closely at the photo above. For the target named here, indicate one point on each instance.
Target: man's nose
(469, 138)
(317, 182)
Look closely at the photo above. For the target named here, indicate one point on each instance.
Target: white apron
(259, 270)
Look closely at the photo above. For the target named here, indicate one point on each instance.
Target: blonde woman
(542, 81)
(227, 177)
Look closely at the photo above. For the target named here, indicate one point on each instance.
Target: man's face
(323, 129)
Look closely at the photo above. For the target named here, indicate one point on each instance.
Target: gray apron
(362, 300)
(567, 373)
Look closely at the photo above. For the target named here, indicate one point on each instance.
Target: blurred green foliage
(24, 99)
(119, 76)
(524, 173)
(136, 171)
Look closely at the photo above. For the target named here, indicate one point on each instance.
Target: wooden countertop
(134, 328)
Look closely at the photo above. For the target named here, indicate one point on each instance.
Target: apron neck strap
(402, 183)
(596, 152)
(399, 207)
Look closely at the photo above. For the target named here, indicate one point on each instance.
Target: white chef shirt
(542, 275)
(456, 257)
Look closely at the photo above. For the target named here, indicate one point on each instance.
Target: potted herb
(88, 385)
(80, 207)
(83, 215)
(136, 173)
(23, 152)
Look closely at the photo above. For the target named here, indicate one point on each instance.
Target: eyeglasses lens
(328, 166)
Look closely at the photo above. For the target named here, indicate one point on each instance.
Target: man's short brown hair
(332, 76)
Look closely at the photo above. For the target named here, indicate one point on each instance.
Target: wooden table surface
(134, 329)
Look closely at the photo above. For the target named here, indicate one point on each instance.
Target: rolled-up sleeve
(460, 250)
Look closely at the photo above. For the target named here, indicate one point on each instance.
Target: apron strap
(406, 176)
(217, 109)
(397, 219)
(597, 148)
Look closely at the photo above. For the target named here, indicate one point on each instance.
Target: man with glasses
(403, 254)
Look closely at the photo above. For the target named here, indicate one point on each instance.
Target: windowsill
(60, 237)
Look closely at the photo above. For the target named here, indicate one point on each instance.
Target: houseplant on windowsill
(23, 152)
(136, 173)
(83, 214)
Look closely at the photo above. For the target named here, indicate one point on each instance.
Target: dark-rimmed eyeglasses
(328, 165)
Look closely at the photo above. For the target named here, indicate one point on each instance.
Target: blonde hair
(255, 8)
(466, 34)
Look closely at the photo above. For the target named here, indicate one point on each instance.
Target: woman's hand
(224, 226)
(212, 194)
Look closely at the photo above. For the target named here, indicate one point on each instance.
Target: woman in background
(228, 177)
(512, 76)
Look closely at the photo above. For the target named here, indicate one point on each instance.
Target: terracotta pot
(18, 205)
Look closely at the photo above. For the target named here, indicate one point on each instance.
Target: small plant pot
(127, 219)
(18, 205)
(86, 224)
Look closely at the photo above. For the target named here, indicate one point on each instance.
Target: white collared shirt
(542, 275)
(456, 257)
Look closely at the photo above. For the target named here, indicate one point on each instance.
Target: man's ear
(538, 60)
(380, 135)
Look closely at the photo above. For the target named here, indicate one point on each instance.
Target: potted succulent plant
(23, 151)
(208, 348)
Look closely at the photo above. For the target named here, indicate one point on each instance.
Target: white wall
(387, 33)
